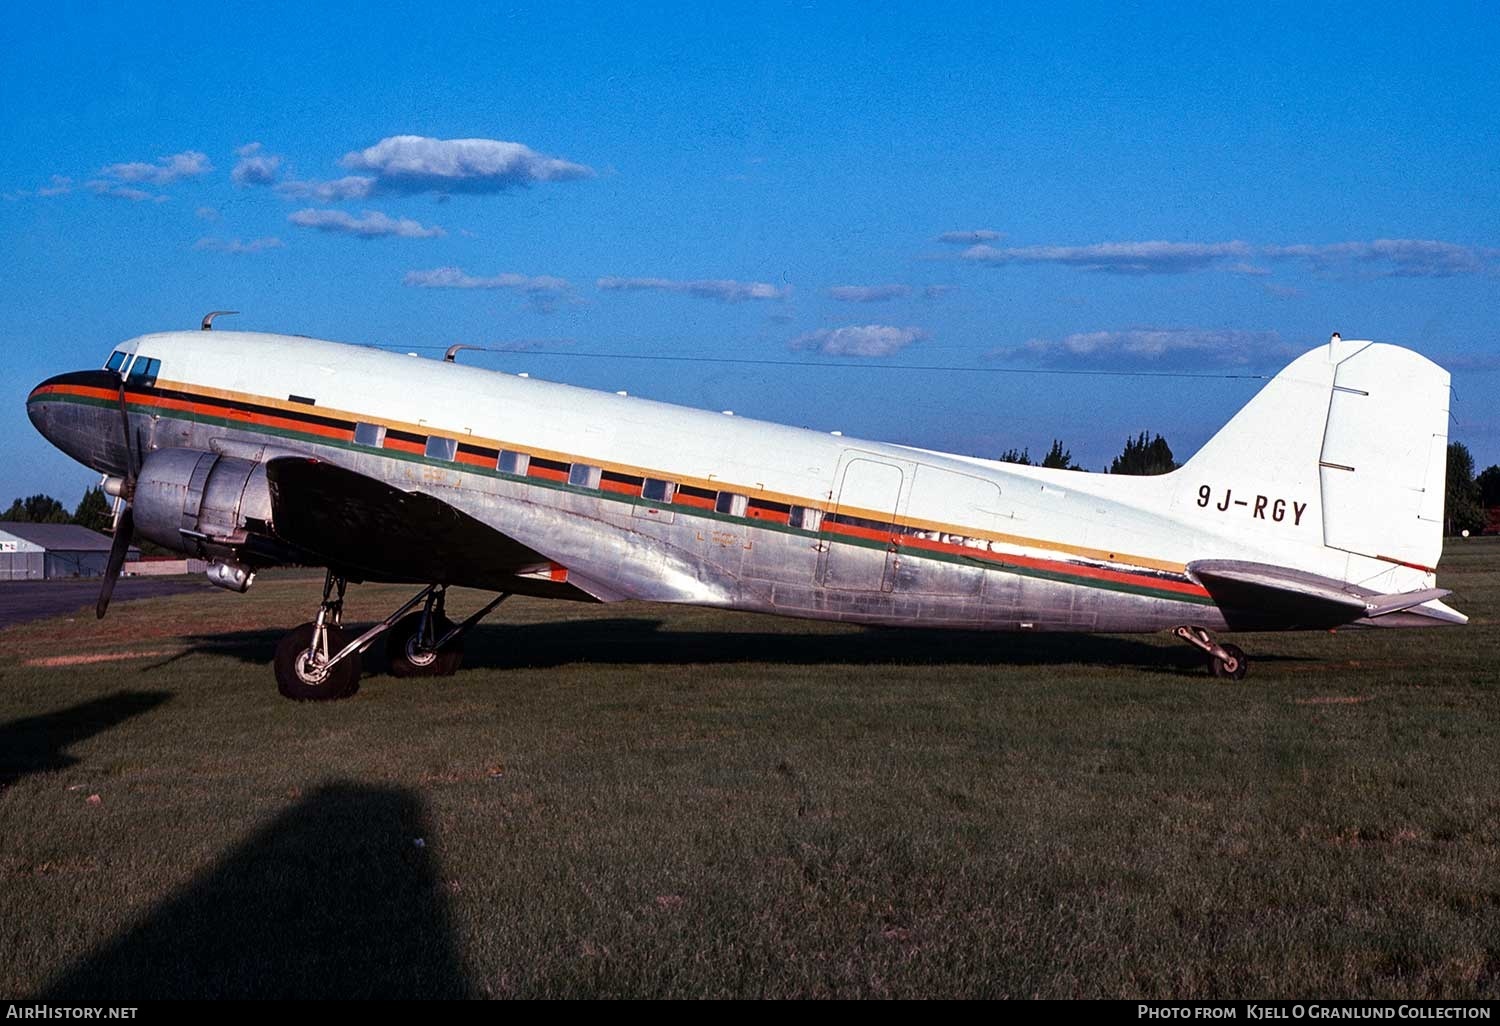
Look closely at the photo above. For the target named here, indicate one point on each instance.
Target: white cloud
(1380, 258)
(544, 293)
(187, 164)
(938, 291)
(868, 293)
(1118, 257)
(206, 214)
(1390, 258)
(57, 185)
(255, 167)
(970, 238)
(350, 187)
(859, 340)
(236, 246)
(415, 163)
(723, 290)
(1137, 345)
(455, 278)
(372, 225)
(100, 187)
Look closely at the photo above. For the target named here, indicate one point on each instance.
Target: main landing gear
(317, 662)
(1228, 662)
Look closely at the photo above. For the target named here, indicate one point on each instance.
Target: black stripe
(540, 464)
(697, 493)
(769, 506)
(868, 525)
(478, 450)
(629, 479)
(240, 406)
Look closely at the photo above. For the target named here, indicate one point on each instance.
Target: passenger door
(859, 535)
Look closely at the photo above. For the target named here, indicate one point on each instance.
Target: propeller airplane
(1318, 506)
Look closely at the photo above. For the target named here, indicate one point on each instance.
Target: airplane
(1318, 506)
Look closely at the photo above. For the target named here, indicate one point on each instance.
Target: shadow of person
(38, 744)
(334, 899)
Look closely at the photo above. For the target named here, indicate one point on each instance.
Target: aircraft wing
(369, 530)
(1261, 596)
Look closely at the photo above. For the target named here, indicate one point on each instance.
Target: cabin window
(657, 490)
(369, 434)
(440, 448)
(731, 504)
(805, 517)
(511, 462)
(116, 360)
(143, 371)
(583, 475)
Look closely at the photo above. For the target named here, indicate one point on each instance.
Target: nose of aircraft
(79, 413)
(39, 403)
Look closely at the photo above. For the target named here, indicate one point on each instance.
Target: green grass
(648, 801)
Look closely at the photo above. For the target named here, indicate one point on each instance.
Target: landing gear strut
(1228, 662)
(317, 661)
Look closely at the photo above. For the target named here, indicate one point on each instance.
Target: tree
(1143, 456)
(36, 509)
(1462, 510)
(93, 511)
(1021, 456)
(1489, 487)
(1059, 458)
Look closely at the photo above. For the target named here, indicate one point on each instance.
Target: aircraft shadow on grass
(641, 640)
(38, 744)
(333, 899)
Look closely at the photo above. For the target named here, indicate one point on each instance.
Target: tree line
(1142, 456)
(92, 511)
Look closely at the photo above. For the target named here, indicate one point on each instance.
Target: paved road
(32, 600)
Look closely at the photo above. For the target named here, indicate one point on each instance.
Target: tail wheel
(300, 675)
(407, 656)
(1233, 668)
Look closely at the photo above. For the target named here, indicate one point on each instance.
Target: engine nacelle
(200, 502)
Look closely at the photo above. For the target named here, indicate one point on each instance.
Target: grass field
(648, 801)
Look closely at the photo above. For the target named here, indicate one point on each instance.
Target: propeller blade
(118, 550)
(131, 470)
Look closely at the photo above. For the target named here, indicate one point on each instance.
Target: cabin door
(859, 535)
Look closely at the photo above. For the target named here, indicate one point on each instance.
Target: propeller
(125, 522)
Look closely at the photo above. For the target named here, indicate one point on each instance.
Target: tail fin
(1351, 439)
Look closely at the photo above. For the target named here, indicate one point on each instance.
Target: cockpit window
(116, 360)
(143, 371)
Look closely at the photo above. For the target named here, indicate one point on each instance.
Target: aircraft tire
(403, 659)
(1242, 664)
(295, 683)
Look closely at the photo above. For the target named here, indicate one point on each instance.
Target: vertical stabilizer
(1353, 437)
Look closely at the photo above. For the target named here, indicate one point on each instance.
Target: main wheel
(299, 678)
(406, 657)
(1236, 668)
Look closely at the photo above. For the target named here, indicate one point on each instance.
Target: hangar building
(33, 552)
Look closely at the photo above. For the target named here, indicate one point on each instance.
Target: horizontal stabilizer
(1265, 597)
(1382, 605)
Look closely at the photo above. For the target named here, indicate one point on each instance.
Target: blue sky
(846, 194)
